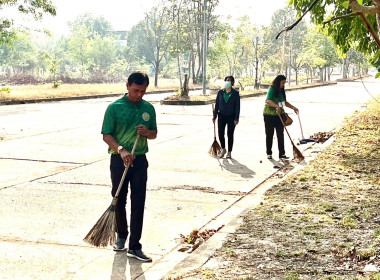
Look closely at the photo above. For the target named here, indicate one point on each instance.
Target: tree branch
(371, 10)
(366, 23)
(340, 17)
(370, 29)
(290, 27)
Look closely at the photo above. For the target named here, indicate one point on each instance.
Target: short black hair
(231, 78)
(139, 78)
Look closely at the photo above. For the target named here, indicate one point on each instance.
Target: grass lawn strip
(322, 222)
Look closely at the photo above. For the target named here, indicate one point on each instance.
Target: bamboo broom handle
(286, 129)
(213, 108)
(125, 171)
(299, 119)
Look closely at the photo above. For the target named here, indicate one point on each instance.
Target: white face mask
(227, 84)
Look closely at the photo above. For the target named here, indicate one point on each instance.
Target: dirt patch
(322, 222)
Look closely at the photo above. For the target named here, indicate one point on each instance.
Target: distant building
(121, 35)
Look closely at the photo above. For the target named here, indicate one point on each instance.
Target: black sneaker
(269, 157)
(284, 157)
(119, 245)
(138, 254)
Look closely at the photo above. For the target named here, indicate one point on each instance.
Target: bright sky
(123, 14)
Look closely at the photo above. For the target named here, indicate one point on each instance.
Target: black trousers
(136, 177)
(222, 122)
(272, 123)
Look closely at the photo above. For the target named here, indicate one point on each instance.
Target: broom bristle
(103, 232)
(214, 149)
(297, 155)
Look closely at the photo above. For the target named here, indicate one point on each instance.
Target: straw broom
(103, 232)
(296, 153)
(215, 147)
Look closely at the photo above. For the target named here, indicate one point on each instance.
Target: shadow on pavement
(277, 164)
(119, 267)
(233, 166)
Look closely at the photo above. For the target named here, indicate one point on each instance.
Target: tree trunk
(156, 73)
(185, 87)
(192, 63)
(311, 74)
(344, 69)
(179, 72)
(283, 55)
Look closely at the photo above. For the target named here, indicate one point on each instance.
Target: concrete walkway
(54, 181)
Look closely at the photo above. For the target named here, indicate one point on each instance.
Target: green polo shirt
(226, 95)
(121, 118)
(268, 110)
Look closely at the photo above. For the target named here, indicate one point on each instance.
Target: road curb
(205, 251)
(162, 102)
(242, 96)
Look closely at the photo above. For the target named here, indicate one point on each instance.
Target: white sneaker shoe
(222, 153)
(228, 155)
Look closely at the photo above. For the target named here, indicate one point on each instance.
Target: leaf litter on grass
(321, 222)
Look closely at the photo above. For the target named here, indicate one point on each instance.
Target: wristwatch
(119, 149)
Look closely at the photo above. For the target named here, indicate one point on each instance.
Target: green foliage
(54, 64)
(35, 8)
(56, 84)
(349, 221)
(377, 234)
(302, 178)
(21, 54)
(247, 81)
(267, 80)
(292, 275)
(169, 40)
(5, 90)
(97, 26)
(346, 31)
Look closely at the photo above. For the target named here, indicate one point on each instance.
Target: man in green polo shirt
(123, 120)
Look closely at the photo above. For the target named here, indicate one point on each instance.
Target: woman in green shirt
(274, 106)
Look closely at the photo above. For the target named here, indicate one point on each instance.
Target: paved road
(54, 179)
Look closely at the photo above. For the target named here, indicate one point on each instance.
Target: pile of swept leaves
(196, 238)
(322, 222)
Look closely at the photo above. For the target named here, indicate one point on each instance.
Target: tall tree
(312, 53)
(102, 53)
(136, 49)
(97, 26)
(79, 47)
(295, 48)
(158, 35)
(279, 49)
(348, 22)
(356, 61)
(20, 55)
(218, 55)
(325, 49)
(178, 46)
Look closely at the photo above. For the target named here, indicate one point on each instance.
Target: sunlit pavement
(54, 180)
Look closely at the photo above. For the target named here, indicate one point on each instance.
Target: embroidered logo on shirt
(146, 116)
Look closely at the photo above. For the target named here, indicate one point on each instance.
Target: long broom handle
(299, 119)
(213, 118)
(285, 129)
(125, 171)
